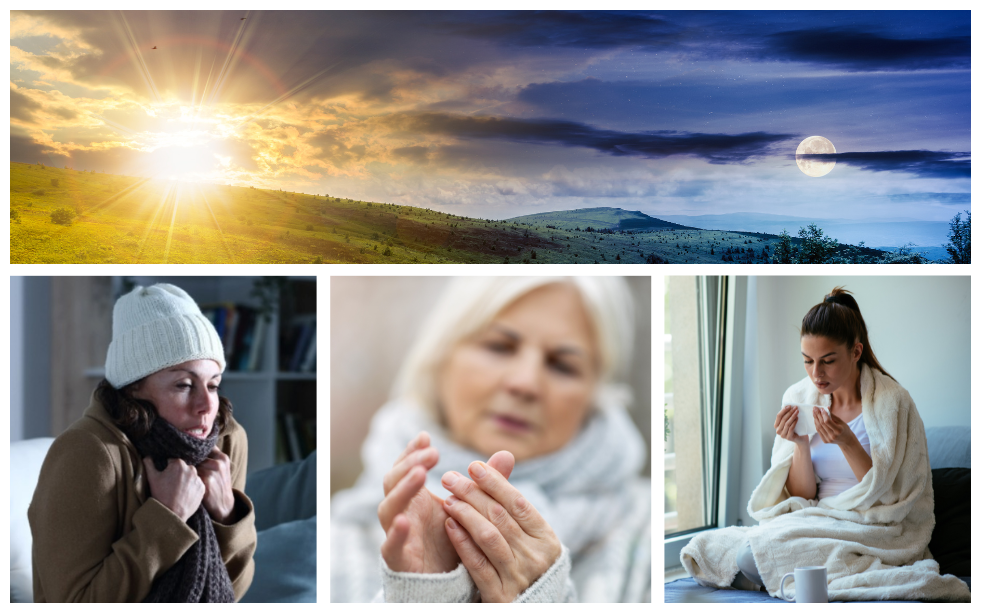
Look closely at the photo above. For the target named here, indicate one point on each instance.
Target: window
(695, 317)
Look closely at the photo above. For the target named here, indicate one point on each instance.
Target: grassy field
(133, 220)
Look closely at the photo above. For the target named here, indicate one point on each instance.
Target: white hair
(470, 303)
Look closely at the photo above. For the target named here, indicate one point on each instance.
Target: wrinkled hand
(786, 422)
(832, 429)
(216, 474)
(500, 537)
(413, 517)
(177, 487)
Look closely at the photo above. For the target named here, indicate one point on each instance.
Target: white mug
(810, 582)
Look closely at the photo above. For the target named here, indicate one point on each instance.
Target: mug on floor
(810, 583)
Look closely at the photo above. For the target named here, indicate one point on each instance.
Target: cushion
(286, 563)
(27, 456)
(949, 446)
(284, 493)
(951, 541)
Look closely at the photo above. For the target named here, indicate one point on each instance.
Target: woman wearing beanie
(141, 500)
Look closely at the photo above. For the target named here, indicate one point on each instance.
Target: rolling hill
(117, 219)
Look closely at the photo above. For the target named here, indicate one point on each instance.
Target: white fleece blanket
(873, 537)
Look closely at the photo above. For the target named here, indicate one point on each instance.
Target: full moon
(814, 167)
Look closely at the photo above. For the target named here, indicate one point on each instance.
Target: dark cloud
(592, 30)
(927, 164)
(952, 198)
(25, 149)
(64, 112)
(335, 150)
(714, 148)
(22, 107)
(414, 154)
(857, 50)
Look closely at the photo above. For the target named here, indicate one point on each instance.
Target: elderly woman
(142, 498)
(505, 467)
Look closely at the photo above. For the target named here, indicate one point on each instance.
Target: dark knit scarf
(200, 575)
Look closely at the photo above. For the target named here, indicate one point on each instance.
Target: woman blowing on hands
(504, 469)
(142, 499)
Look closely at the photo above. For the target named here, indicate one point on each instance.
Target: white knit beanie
(156, 327)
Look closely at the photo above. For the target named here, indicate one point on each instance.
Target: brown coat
(98, 536)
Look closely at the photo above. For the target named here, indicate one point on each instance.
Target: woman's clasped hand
(502, 540)
(183, 488)
(486, 524)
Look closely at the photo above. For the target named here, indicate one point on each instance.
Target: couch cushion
(286, 563)
(951, 541)
(26, 458)
(283, 493)
(949, 447)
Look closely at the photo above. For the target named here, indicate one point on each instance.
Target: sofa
(285, 499)
(950, 465)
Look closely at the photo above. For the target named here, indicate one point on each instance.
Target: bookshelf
(275, 404)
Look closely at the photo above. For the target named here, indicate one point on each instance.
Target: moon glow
(810, 166)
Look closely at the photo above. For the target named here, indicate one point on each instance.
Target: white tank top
(830, 463)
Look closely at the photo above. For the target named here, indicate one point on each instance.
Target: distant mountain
(885, 233)
(598, 218)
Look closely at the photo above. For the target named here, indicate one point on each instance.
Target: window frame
(728, 420)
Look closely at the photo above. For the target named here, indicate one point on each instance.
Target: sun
(184, 146)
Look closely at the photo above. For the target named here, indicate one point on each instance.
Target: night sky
(497, 114)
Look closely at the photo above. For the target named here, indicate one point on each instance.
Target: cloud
(858, 50)
(713, 148)
(926, 164)
(22, 107)
(593, 30)
(951, 198)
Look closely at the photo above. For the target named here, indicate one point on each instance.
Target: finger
(398, 499)
(427, 458)
(516, 505)
(218, 454)
(421, 441)
(394, 544)
(466, 490)
(150, 468)
(483, 573)
(484, 534)
(503, 462)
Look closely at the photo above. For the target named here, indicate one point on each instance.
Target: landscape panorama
(490, 137)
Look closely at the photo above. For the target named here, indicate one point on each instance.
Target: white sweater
(589, 492)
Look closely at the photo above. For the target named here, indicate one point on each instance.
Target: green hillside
(117, 219)
(599, 218)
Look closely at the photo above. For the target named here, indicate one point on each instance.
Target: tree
(959, 246)
(54, 182)
(62, 216)
(783, 253)
(903, 255)
(654, 258)
(815, 248)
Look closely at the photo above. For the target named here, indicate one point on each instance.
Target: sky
(499, 114)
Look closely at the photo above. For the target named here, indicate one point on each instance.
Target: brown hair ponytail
(839, 318)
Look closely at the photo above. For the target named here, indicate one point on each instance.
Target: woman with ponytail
(853, 494)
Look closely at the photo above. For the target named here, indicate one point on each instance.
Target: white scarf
(581, 490)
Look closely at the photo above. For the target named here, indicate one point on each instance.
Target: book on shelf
(299, 350)
(242, 330)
